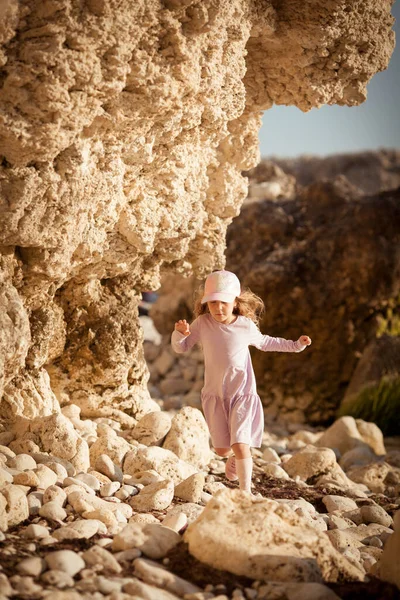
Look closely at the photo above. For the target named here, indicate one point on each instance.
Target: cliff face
(124, 130)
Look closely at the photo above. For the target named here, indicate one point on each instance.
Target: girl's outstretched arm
(184, 336)
(276, 344)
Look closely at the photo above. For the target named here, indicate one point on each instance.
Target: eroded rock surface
(125, 129)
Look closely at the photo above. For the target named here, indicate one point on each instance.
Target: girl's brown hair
(247, 304)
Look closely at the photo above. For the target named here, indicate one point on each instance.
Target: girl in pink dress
(226, 325)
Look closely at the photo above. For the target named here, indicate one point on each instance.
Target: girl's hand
(304, 340)
(182, 327)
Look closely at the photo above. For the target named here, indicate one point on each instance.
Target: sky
(288, 132)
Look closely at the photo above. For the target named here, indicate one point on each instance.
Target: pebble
(205, 497)
(152, 573)
(127, 555)
(5, 587)
(79, 482)
(271, 455)
(126, 491)
(28, 478)
(108, 586)
(110, 489)
(153, 540)
(105, 465)
(65, 560)
(35, 532)
(58, 579)
(341, 503)
(156, 496)
(105, 516)
(191, 488)
(56, 494)
(375, 542)
(97, 556)
(33, 566)
(53, 511)
(90, 480)
(46, 476)
(25, 586)
(22, 462)
(177, 522)
(274, 470)
(81, 529)
(376, 514)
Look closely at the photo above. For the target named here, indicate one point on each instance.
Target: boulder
(275, 542)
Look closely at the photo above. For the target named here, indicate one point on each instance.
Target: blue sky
(288, 132)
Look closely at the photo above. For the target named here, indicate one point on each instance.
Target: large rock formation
(325, 265)
(124, 130)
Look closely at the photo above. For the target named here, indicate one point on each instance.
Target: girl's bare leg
(244, 465)
(223, 451)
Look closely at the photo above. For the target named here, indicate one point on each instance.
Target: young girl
(226, 327)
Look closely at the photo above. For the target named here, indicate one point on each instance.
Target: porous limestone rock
(310, 462)
(163, 461)
(156, 496)
(110, 444)
(191, 488)
(189, 437)
(15, 508)
(152, 539)
(275, 543)
(125, 131)
(152, 428)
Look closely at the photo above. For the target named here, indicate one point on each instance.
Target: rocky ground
(152, 515)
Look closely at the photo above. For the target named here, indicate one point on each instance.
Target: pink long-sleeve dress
(231, 405)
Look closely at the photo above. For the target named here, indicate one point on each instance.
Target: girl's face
(222, 312)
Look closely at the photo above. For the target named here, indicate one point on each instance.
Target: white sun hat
(221, 285)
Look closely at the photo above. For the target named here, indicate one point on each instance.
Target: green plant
(379, 403)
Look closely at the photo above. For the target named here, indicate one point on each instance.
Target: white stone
(105, 465)
(154, 574)
(46, 476)
(310, 462)
(342, 503)
(35, 501)
(53, 511)
(152, 428)
(65, 560)
(16, 509)
(90, 480)
(270, 455)
(54, 493)
(82, 529)
(156, 496)
(177, 522)
(32, 566)
(376, 514)
(35, 532)
(274, 470)
(189, 437)
(109, 489)
(151, 539)
(100, 556)
(165, 462)
(22, 462)
(191, 488)
(269, 535)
